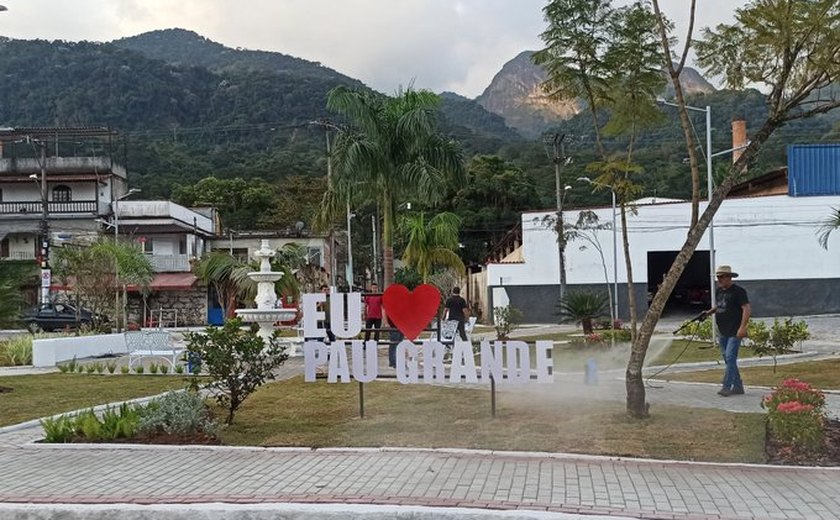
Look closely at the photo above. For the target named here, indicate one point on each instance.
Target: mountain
(461, 117)
(181, 47)
(516, 94)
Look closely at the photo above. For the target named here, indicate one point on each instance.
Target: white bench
(449, 330)
(158, 344)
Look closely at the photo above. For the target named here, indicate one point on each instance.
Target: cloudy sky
(455, 45)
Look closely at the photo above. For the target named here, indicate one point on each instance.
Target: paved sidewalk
(570, 484)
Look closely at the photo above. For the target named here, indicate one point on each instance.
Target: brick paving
(570, 484)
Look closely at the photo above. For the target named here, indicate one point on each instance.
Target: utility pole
(559, 160)
(333, 264)
(46, 274)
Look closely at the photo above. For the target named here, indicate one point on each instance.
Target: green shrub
(178, 413)
(16, 351)
(779, 338)
(111, 366)
(90, 369)
(620, 335)
(139, 369)
(120, 423)
(124, 369)
(98, 367)
(237, 361)
(584, 307)
(179, 369)
(60, 429)
(506, 319)
(796, 415)
(63, 368)
(164, 369)
(71, 366)
(80, 368)
(153, 368)
(88, 426)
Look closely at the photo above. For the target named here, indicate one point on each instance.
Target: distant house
(173, 237)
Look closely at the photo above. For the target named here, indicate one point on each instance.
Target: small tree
(583, 307)
(506, 319)
(236, 359)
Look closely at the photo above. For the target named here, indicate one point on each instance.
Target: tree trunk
(387, 243)
(636, 405)
(628, 264)
(587, 325)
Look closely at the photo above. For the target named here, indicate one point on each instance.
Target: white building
(770, 240)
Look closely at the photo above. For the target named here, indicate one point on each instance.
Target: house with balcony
(43, 181)
(173, 237)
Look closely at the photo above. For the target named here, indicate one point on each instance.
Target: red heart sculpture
(411, 311)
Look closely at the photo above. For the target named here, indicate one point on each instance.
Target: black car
(56, 316)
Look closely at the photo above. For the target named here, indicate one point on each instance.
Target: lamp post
(615, 244)
(709, 155)
(117, 200)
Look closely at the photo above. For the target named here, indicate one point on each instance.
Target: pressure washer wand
(700, 317)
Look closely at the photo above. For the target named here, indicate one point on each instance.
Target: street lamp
(117, 200)
(709, 155)
(615, 244)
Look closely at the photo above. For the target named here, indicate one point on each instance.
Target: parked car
(56, 316)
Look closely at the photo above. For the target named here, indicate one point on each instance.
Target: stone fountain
(266, 314)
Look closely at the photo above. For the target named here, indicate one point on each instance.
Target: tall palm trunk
(387, 242)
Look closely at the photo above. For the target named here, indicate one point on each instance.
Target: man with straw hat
(732, 314)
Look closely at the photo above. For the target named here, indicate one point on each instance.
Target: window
(313, 256)
(147, 246)
(1, 195)
(62, 193)
(182, 246)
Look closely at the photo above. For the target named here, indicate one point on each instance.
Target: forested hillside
(190, 109)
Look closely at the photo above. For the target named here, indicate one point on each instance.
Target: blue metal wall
(813, 169)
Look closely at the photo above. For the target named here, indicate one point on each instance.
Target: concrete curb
(273, 511)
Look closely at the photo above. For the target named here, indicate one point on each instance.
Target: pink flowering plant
(796, 415)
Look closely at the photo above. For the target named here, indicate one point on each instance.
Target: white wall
(254, 244)
(30, 192)
(49, 351)
(761, 237)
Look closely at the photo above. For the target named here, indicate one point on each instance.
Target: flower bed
(798, 431)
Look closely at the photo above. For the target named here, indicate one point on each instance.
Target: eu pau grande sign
(348, 359)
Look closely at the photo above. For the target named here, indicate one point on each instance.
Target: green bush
(139, 369)
(179, 369)
(153, 368)
(164, 369)
(90, 369)
(60, 429)
(506, 319)
(178, 413)
(116, 423)
(124, 369)
(620, 335)
(16, 351)
(779, 338)
(584, 307)
(237, 361)
(111, 367)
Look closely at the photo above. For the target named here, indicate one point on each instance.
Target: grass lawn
(821, 374)
(294, 413)
(38, 396)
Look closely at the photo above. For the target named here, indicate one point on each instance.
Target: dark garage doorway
(692, 292)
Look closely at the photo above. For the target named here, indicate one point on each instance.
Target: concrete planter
(50, 351)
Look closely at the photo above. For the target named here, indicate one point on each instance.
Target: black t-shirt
(456, 305)
(729, 312)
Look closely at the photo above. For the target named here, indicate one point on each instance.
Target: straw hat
(725, 270)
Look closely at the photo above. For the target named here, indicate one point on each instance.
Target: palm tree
(583, 307)
(431, 243)
(390, 153)
(219, 270)
(828, 225)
